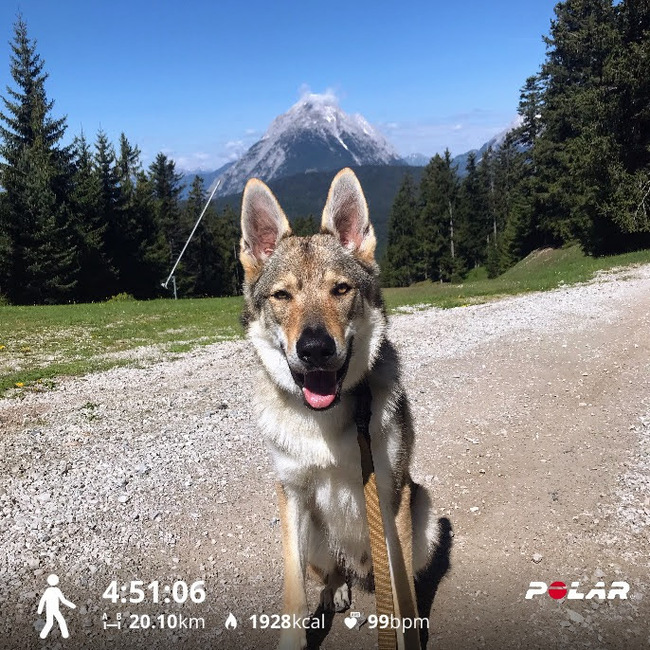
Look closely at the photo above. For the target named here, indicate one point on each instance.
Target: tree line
(576, 170)
(84, 222)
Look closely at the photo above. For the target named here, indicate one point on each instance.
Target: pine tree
(627, 73)
(514, 227)
(149, 257)
(135, 238)
(575, 149)
(487, 182)
(304, 226)
(531, 98)
(438, 198)
(198, 273)
(96, 276)
(109, 206)
(475, 223)
(400, 264)
(36, 174)
(128, 167)
(166, 193)
(226, 235)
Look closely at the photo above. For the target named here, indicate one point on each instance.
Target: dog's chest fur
(316, 456)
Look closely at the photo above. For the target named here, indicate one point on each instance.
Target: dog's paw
(335, 599)
(342, 598)
(294, 638)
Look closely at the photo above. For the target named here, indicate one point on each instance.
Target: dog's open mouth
(322, 388)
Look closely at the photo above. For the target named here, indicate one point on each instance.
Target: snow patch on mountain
(500, 138)
(494, 143)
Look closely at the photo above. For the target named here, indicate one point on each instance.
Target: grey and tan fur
(315, 316)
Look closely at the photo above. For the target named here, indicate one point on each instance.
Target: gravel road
(533, 422)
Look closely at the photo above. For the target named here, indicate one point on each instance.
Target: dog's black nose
(315, 346)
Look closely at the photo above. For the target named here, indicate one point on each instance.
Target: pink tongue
(320, 388)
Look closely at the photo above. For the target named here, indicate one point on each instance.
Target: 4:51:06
(136, 592)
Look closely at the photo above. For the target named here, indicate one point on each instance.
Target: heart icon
(350, 622)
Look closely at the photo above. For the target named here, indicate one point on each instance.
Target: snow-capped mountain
(313, 135)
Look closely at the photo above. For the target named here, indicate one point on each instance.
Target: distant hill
(461, 160)
(208, 178)
(304, 194)
(416, 160)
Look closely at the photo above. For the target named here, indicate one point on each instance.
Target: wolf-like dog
(315, 316)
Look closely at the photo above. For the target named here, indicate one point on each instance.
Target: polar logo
(558, 590)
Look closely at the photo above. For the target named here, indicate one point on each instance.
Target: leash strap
(381, 568)
(403, 578)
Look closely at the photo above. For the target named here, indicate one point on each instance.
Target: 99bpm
(286, 621)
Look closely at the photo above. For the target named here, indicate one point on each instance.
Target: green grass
(44, 342)
(540, 271)
(39, 344)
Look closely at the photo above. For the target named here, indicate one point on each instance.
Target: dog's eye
(341, 289)
(281, 294)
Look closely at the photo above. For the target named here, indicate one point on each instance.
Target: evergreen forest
(577, 169)
(83, 220)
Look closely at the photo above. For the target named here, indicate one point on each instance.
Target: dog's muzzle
(320, 382)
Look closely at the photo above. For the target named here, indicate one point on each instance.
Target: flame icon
(231, 622)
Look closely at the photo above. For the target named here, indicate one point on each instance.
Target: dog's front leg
(294, 520)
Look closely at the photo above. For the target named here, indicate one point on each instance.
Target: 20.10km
(162, 621)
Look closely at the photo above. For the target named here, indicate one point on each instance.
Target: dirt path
(540, 435)
(533, 420)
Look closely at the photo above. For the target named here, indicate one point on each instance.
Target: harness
(394, 593)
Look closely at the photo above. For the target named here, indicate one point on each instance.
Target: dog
(315, 316)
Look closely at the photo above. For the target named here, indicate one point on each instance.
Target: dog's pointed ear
(263, 225)
(346, 216)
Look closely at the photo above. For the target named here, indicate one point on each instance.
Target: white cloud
(330, 96)
(234, 149)
(458, 133)
(224, 152)
(195, 161)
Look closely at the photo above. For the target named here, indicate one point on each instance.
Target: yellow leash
(403, 574)
(378, 549)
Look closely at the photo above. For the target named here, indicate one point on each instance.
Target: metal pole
(196, 225)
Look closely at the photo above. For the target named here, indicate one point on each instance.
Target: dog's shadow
(427, 581)
(316, 636)
(426, 586)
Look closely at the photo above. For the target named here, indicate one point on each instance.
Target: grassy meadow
(40, 343)
(540, 271)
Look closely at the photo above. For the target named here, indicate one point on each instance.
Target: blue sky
(201, 80)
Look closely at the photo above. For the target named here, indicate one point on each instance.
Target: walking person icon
(50, 599)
